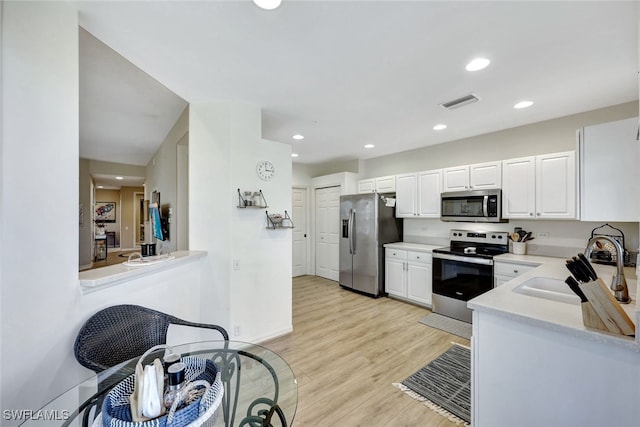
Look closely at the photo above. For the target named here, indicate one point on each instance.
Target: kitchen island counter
(555, 315)
(535, 364)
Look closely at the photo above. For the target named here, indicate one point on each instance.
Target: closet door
(328, 232)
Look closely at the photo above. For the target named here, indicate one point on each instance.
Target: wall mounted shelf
(279, 221)
(252, 199)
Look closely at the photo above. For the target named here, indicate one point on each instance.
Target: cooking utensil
(527, 237)
(515, 237)
(521, 233)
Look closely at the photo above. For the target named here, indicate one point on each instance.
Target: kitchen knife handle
(575, 287)
(571, 266)
(585, 261)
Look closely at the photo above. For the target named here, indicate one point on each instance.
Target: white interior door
(299, 218)
(328, 232)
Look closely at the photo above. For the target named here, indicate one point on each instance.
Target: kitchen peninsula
(535, 364)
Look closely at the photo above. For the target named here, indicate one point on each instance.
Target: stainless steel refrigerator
(367, 223)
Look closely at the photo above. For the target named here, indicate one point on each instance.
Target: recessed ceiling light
(369, 146)
(523, 104)
(441, 126)
(477, 64)
(298, 136)
(267, 4)
(119, 178)
(294, 154)
(100, 186)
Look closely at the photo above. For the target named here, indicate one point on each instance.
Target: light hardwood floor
(347, 349)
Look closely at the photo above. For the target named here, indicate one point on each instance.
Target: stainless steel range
(464, 270)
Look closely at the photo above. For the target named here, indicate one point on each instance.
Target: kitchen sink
(548, 288)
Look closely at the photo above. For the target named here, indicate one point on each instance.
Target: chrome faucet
(618, 283)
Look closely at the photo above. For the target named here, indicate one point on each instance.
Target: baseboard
(265, 338)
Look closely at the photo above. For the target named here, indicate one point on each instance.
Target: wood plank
(347, 350)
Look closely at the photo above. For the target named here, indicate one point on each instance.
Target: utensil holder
(519, 248)
(603, 312)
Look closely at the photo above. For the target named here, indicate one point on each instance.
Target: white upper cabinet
(407, 195)
(483, 176)
(386, 184)
(556, 186)
(366, 185)
(455, 178)
(429, 190)
(480, 176)
(609, 172)
(383, 184)
(418, 194)
(541, 187)
(519, 188)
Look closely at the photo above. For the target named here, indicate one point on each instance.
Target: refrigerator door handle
(352, 222)
(350, 231)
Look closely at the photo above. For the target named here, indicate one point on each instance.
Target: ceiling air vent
(460, 102)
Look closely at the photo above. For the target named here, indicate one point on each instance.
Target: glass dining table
(260, 389)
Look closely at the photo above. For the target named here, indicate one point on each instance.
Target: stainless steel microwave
(472, 206)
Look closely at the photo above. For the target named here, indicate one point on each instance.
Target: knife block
(603, 311)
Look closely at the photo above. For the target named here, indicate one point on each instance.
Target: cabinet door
(386, 184)
(519, 188)
(609, 159)
(406, 190)
(394, 277)
(419, 282)
(456, 178)
(366, 186)
(429, 190)
(483, 176)
(556, 186)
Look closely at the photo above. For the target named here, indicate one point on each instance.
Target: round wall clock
(265, 170)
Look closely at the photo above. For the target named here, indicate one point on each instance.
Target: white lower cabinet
(505, 271)
(408, 275)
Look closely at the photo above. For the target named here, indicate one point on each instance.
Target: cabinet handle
(538, 214)
(530, 213)
(515, 271)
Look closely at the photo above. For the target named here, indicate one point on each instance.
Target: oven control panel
(496, 237)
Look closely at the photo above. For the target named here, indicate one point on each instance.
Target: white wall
(41, 306)
(162, 175)
(550, 136)
(40, 134)
(224, 147)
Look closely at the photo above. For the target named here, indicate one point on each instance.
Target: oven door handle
(470, 260)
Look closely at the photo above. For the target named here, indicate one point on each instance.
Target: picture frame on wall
(105, 212)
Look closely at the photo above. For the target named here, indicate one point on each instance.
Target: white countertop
(559, 316)
(100, 278)
(412, 246)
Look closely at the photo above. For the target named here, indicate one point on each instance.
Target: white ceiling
(345, 74)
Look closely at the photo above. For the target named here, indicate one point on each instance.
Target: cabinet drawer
(396, 253)
(512, 270)
(421, 257)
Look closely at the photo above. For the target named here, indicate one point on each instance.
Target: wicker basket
(116, 409)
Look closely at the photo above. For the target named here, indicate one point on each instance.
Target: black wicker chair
(122, 332)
